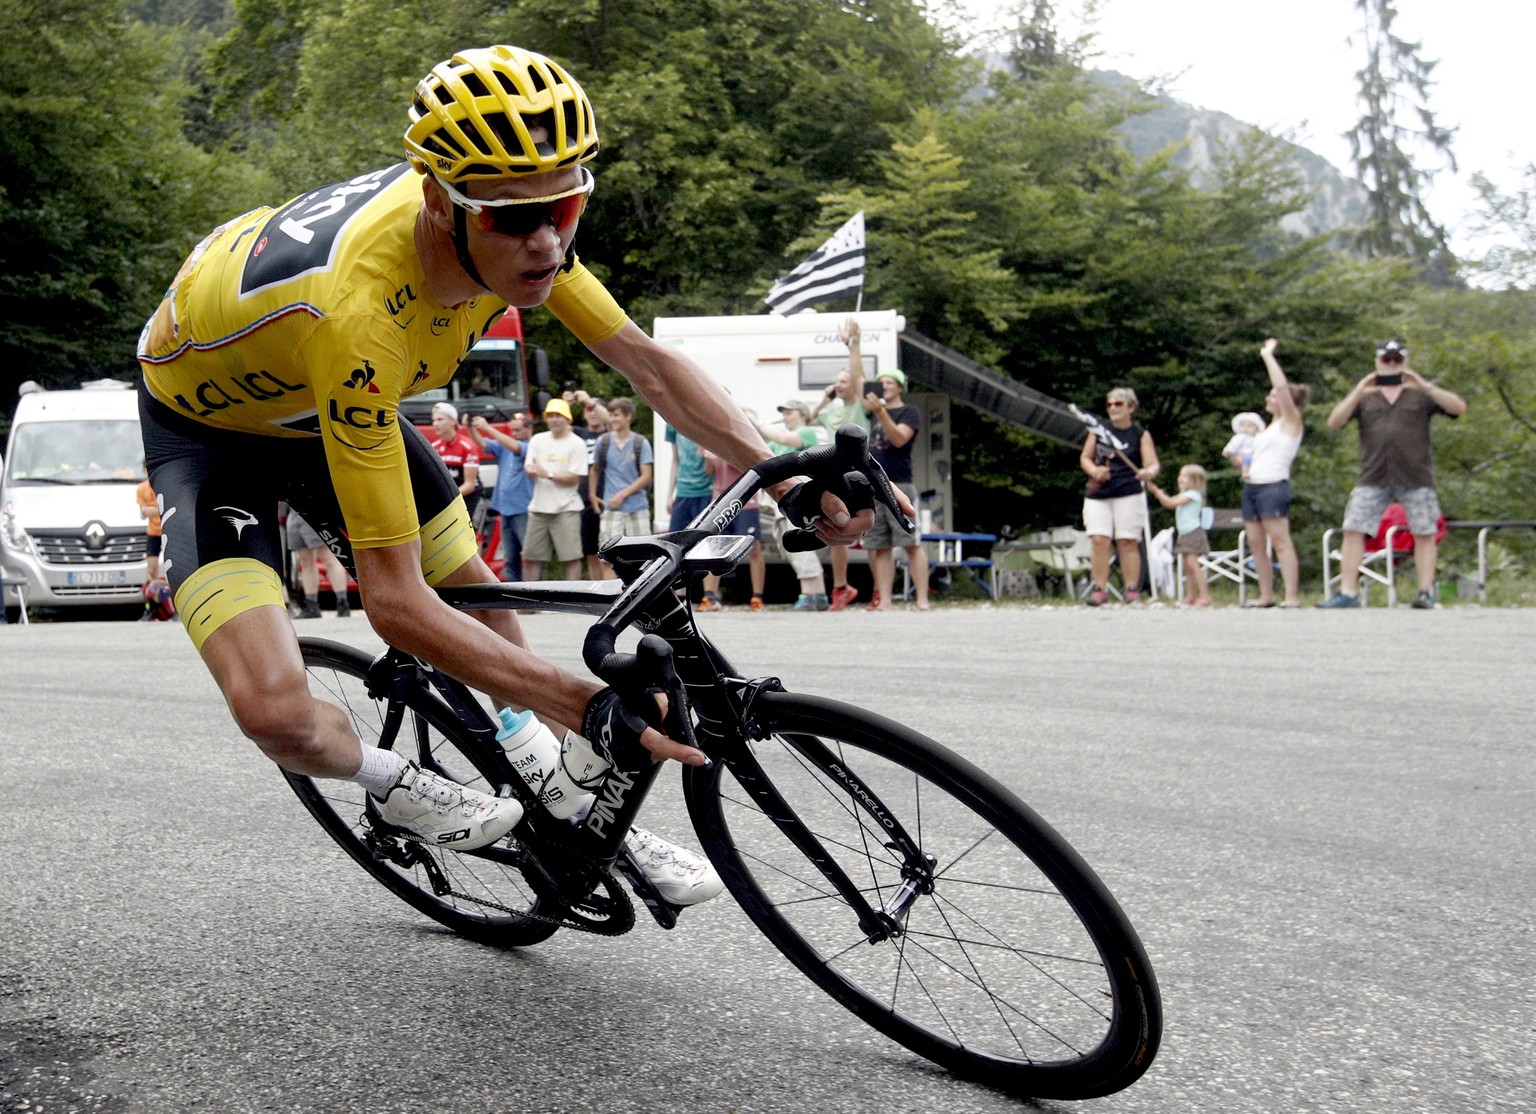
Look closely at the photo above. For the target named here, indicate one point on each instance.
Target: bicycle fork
(918, 867)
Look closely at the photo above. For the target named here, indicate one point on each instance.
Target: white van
(69, 514)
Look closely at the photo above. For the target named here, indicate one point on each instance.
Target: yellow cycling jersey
(314, 320)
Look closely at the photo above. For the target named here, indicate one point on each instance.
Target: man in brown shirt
(1393, 406)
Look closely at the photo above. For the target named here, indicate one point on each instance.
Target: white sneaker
(445, 813)
(679, 875)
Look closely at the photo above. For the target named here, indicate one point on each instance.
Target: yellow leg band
(216, 593)
(447, 542)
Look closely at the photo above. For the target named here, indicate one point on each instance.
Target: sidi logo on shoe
(453, 837)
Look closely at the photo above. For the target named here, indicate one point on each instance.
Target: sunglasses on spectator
(523, 216)
(1391, 357)
(1116, 402)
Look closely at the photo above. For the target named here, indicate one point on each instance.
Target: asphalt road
(1321, 824)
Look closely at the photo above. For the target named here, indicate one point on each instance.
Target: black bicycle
(912, 887)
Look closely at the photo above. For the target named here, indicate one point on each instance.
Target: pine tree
(1394, 84)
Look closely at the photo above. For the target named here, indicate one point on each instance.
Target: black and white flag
(837, 267)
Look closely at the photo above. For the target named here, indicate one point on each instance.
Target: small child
(1245, 427)
(1188, 508)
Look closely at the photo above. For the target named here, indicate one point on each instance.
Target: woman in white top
(1267, 483)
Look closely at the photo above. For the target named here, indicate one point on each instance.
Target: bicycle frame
(711, 704)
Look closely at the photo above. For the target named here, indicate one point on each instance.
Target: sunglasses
(1116, 402)
(523, 216)
(1391, 357)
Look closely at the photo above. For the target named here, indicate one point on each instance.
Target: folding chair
(1064, 550)
(1230, 564)
(1386, 553)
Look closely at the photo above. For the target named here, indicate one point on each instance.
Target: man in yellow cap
(557, 462)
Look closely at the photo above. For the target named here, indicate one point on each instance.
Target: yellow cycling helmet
(470, 116)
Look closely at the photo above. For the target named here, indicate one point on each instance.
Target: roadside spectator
(1238, 451)
(149, 511)
(158, 605)
(792, 434)
(459, 453)
(839, 404)
(1114, 506)
(309, 552)
(557, 461)
(896, 424)
(1267, 484)
(1190, 541)
(688, 491)
(1393, 405)
(748, 523)
(514, 487)
(622, 466)
(595, 422)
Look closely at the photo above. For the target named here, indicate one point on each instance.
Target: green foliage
(100, 194)
(1512, 219)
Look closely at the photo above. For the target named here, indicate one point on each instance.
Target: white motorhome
(69, 515)
(765, 360)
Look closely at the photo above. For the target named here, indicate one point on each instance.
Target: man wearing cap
(1393, 405)
(459, 452)
(894, 425)
(793, 433)
(557, 461)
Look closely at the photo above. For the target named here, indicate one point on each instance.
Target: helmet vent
(475, 86)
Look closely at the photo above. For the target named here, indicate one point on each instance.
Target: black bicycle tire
(497, 930)
(1132, 1031)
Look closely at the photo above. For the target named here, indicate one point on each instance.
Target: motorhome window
(76, 452)
(818, 372)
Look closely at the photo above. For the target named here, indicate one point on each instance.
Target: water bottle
(536, 757)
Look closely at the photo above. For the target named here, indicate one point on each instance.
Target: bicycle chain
(617, 922)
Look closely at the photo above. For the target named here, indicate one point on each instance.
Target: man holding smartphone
(1393, 406)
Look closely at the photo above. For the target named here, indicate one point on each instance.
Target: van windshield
(87, 451)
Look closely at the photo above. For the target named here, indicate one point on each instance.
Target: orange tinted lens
(524, 220)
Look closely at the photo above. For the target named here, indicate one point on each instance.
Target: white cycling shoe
(446, 814)
(679, 875)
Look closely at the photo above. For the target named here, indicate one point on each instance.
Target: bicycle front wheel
(993, 949)
(482, 895)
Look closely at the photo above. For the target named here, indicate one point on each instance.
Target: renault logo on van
(95, 535)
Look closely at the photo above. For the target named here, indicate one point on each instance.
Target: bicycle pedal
(662, 910)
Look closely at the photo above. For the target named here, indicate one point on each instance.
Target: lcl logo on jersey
(362, 379)
(402, 297)
(360, 417)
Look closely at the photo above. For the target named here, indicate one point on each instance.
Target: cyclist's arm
(409, 615)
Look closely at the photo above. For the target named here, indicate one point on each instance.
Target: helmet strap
(461, 246)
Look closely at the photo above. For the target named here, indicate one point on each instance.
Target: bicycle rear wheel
(482, 895)
(1012, 965)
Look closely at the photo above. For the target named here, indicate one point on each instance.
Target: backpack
(600, 457)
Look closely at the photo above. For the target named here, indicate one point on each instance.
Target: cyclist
(274, 369)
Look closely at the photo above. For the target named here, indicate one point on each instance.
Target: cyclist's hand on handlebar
(837, 525)
(611, 727)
